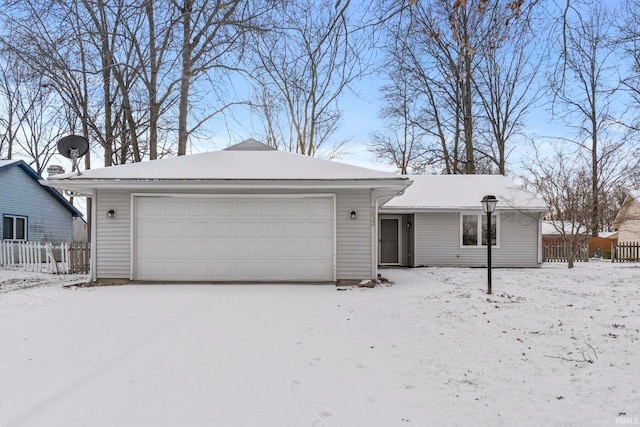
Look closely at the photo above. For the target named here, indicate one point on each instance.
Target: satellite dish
(73, 147)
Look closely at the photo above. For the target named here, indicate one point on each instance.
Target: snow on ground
(551, 346)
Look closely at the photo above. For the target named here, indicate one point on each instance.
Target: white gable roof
(458, 192)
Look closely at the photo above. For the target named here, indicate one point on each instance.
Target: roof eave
(87, 185)
(411, 209)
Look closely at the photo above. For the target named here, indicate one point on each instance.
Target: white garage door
(229, 238)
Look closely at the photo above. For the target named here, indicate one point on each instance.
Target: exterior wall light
(354, 214)
(111, 213)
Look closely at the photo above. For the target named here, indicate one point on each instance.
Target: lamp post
(488, 206)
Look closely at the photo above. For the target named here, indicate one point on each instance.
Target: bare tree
(629, 40)
(506, 83)
(211, 42)
(584, 97)
(402, 144)
(472, 66)
(305, 63)
(11, 79)
(39, 127)
(564, 185)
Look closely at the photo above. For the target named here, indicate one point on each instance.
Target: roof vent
(250, 145)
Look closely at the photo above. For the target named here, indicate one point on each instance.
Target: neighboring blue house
(31, 211)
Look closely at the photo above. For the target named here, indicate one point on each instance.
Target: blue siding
(48, 220)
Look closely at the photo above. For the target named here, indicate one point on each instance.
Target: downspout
(539, 239)
(94, 226)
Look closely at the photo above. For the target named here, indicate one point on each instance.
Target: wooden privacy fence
(43, 257)
(628, 251)
(79, 257)
(557, 252)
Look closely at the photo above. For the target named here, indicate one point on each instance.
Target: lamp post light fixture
(488, 206)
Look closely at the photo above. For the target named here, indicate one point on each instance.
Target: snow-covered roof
(249, 164)
(4, 163)
(234, 164)
(456, 192)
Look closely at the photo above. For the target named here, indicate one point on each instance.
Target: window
(14, 227)
(474, 229)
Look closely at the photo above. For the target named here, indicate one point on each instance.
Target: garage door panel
(246, 249)
(173, 208)
(175, 249)
(294, 249)
(198, 228)
(246, 270)
(150, 208)
(199, 249)
(295, 229)
(222, 228)
(222, 208)
(174, 228)
(294, 208)
(149, 249)
(270, 228)
(270, 208)
(199, 208)
(246, 208)
(318, 247)
(234, 238)
(316, 208)
(199, 270)
(270, 249)
(151, 227)
(220, 248)
(317, 229)
(246, 228)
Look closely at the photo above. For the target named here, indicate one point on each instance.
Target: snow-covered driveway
(550, 347)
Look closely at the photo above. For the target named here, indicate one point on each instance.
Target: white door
(234, 238)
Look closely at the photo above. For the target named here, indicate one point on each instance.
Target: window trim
(479, 218)
(14, 222)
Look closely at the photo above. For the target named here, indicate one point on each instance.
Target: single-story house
(246, 213)
(439, 221)
(252, 213)
(31, 211)
(627, 221)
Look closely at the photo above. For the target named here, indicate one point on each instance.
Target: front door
(389, 230)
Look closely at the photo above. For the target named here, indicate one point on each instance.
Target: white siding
(354, 236)
(437, 242)
(113, 235)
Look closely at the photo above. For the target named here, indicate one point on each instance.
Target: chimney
(54, 170)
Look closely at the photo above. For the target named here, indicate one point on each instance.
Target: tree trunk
(185, 78)
(154, 108)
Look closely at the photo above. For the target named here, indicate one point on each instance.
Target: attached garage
(232, 237)
(248, 213)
